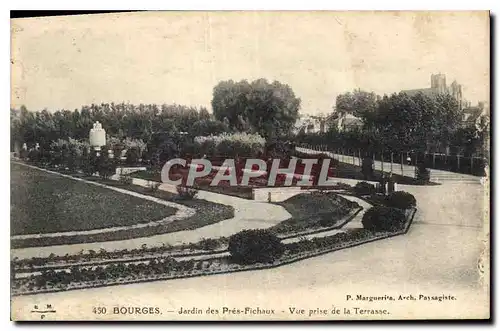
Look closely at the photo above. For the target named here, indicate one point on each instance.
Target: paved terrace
(439, 255)
(407, 170)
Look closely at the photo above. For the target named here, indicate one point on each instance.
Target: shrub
(166, 150)
(367, 168)
(209, 244)
(236, 144)
(186, 193)
(153, 186)
(89, 164)
(106, 166)
(327, 219)
(381, 218)
(126, 179)
(359, 234)
(364, 188)
(34, 156)
(23, 154)
(279, 149)
(133, 155)
(253, 246)
(342, 186)
(402, 200)
(423, 174)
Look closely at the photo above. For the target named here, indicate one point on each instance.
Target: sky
(178, 57)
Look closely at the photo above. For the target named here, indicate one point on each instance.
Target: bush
(401, 200)
(254, 246)
(167, 149)
(236, 144)
(23, 154)
(423, 174)
(126, 179)
(106, 166)
(364, 188)
(186, 193)
(367, 168)
(359, 234)
(381, 218)
(279, 150)
(133, 155)
(153, 186)
(209, 244)
(89, 164)
(34, 156)
(342, 186)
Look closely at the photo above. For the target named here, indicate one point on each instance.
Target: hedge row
(235, 144)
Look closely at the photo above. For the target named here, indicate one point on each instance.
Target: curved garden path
(439, 255)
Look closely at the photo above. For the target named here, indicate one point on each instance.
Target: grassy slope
(313, 210)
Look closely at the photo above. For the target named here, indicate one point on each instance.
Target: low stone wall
(275, 194)
(129, 170)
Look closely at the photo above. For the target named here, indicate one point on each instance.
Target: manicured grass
(207, 212)
(147, 175)
(313, 211)
(45, 203)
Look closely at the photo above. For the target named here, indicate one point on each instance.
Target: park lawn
(44, 203)
(313, 210)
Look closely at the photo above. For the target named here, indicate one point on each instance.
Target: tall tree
(359, 103)
(269, 108)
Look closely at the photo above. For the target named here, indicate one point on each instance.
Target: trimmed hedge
(236, 144)
(381, 218)
(401, 200)
(364, 188)
(253, 246)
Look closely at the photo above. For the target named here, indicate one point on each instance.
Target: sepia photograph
(250, 166)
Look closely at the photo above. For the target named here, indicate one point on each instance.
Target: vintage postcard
(250, 166)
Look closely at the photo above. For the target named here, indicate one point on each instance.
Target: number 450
(99, 310)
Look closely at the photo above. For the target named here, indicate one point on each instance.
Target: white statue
(97, 136)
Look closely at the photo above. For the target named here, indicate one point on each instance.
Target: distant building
(311, 124)
(471, 114)
(438, 86)
(349, 122)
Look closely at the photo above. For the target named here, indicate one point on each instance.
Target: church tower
(438, 82)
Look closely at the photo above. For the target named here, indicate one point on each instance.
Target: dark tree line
(399, 123)
(258, 107)
(120, 120)
(395, 123)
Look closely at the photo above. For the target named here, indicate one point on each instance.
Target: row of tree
(119, 120)
(399, 123)
(257, 107)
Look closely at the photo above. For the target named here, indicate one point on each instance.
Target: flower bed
(144, 253)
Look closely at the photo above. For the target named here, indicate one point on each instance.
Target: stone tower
(456, 92)
(438, 81)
